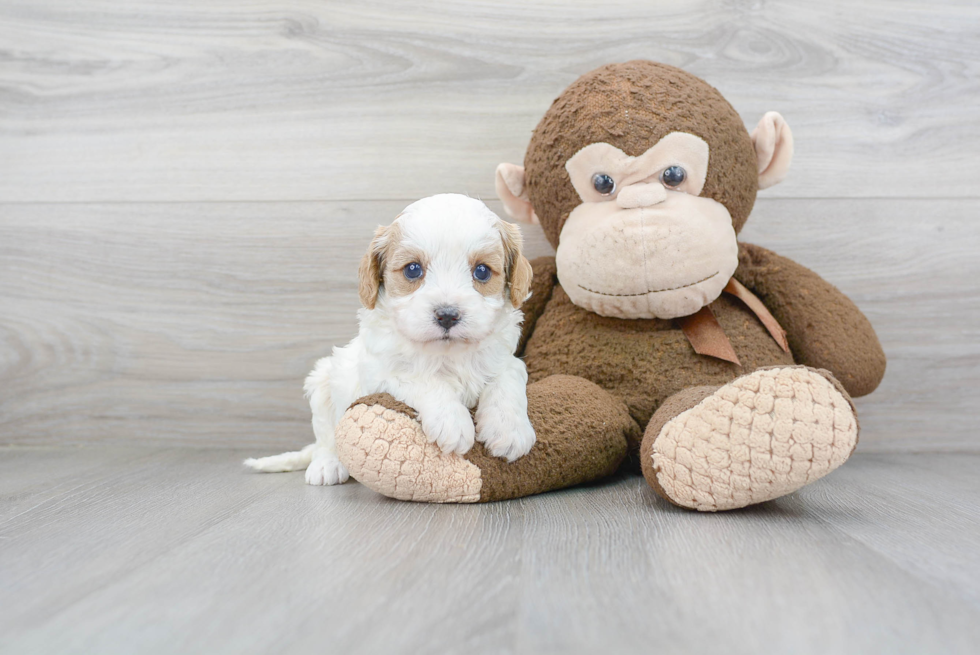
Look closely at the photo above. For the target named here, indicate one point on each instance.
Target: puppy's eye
(673, 176)
(481, 273)
(603, 183)
(413, 271)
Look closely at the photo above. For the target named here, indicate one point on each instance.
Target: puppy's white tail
(294, 461)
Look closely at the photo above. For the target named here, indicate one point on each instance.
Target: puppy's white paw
(506, 434)
(326, 469)
(449, 427)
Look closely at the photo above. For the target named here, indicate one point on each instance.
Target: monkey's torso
(643, 362)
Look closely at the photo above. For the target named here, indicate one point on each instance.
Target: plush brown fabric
(737, 289)
(824, 328)
(632, 106)
(679, 402)
(582, 435)
(643, 362)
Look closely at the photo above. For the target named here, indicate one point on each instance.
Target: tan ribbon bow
(707, 336)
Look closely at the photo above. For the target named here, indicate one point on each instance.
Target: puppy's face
(445, 270)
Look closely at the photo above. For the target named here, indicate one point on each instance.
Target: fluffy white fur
(400, 349)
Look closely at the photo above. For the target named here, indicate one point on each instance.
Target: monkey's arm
(824, 328)
(544, 281)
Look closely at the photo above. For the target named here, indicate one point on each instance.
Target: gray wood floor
(139, 550)
(185, 190)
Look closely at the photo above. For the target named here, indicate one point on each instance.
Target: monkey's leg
(581, 431)
(759, 437)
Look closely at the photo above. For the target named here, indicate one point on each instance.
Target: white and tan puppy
(441, 289)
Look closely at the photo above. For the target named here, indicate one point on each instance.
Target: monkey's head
(641, 175)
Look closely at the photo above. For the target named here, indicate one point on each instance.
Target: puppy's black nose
(447, 317)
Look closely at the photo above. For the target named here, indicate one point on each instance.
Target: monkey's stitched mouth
(631, 295)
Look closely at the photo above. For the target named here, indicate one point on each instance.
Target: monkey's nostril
(447, 317)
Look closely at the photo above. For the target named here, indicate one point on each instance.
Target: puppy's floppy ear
(518, 269)
(371, 270)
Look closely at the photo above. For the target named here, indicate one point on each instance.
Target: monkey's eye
(481, 273)
(673, 176)
(413, 271)
(603, 183)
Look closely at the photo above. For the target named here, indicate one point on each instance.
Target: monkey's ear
(511, 191)
(370, 272)
(518, 269)
(773, 143)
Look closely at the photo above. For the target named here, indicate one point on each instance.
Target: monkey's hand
(825, 329)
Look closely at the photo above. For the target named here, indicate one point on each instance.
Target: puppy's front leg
(325, 467)
(501, 417)
(445, 420)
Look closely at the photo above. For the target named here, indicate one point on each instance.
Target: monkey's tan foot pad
(762, 436)
(384, 448)
(581, 433)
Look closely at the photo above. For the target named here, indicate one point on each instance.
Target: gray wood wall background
(186, 187)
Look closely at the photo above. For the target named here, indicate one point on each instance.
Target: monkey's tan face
(643, 214)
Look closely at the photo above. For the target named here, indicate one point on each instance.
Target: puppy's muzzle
(447, 317)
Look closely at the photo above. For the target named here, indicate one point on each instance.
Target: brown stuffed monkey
(653, 339)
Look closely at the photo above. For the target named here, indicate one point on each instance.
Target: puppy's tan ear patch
(518, 269)
(520, 281)
(371, 270)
